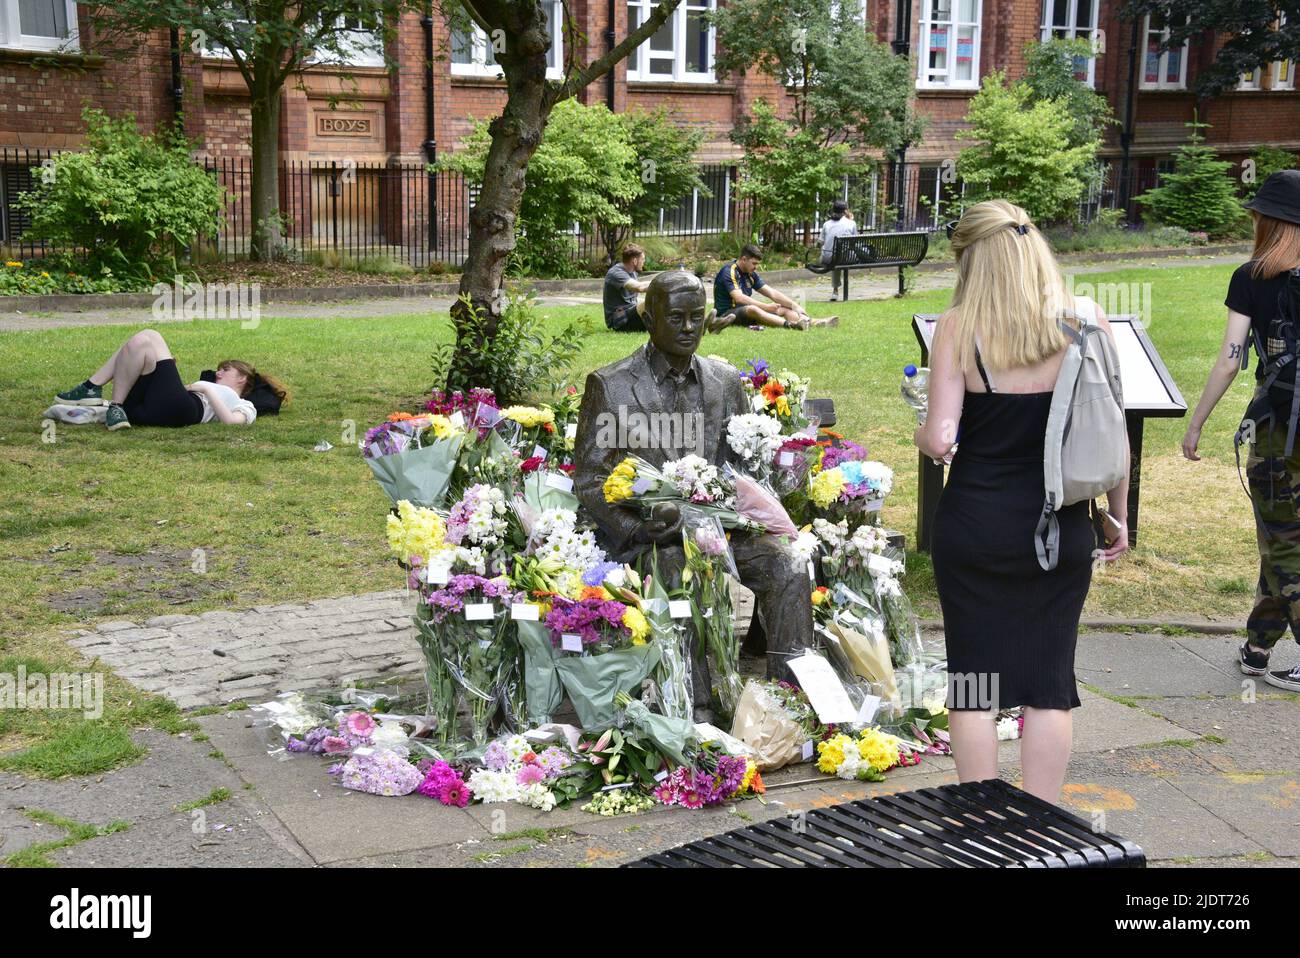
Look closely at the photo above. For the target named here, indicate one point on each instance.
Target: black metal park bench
(875, 251)
(975, 825)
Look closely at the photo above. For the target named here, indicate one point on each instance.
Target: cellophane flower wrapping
(481, 654)
(775, 720)
(688, 481)
(674, 675)
(704, 576)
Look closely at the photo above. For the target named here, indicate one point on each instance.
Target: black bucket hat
(1279, 197)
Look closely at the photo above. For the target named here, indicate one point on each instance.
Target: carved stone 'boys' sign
(328, 124)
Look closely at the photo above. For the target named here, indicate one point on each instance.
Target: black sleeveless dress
(1010, 627)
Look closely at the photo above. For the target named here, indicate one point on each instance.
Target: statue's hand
(664, 526)
(714, 325)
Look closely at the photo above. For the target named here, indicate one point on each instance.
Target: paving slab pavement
(1167, 750)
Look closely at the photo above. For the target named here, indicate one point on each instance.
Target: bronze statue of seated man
(666, 402)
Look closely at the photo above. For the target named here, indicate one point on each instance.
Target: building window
(1283, 70)
(1251, 80)
(474, 54)
(950, 44)
(38, 24)
(1164, 69)
(1073, 20)
(696, 214)
(681, 50)
(359, 46)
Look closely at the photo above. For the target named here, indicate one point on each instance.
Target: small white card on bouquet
(438, 573)
(539, 452)
(525, 612)
(571, 642)
(878, 564)
(457, 419)
(679, 608)
(558, 480)
(478, 611)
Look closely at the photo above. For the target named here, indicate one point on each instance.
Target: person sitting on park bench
(622, 314)
(148, 389)
(733, 297)
(840, 223)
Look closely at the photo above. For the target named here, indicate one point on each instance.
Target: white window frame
(1251, 81)
(928, 80)
(1162, 68)
(361, 48)
(1277, 83)
(479, 67)
(12, 37)
(638, 64)
(1071, 31)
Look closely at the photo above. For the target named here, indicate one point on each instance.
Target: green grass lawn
(126, 525)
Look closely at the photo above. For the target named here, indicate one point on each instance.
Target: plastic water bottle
(916, 389)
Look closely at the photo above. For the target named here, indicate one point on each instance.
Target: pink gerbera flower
(333, 745)
(530, 775)
(360, 724)
(457, 794)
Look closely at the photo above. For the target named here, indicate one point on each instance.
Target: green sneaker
(116, 418)
(82, 395)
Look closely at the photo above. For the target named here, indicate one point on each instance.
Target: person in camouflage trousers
(1264, 311)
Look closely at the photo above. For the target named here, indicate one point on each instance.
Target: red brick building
(365, 113)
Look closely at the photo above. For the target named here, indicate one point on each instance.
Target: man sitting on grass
(621, 286)
(733, 297)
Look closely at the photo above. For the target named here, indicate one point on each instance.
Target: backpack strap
(984, 375)
(1047, 538)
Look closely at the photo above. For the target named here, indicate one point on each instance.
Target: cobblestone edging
(219, 657)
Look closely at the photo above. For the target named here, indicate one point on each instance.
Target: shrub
(1022, 152)
(1268, 160)
(37, 278)
(128, 201)
(1199, 195)
(519, 361)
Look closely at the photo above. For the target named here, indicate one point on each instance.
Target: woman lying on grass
(144, 375)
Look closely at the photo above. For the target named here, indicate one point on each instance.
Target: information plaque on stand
(1149, 391)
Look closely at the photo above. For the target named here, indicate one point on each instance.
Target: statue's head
(675, 312)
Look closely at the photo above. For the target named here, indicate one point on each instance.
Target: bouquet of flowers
(689, 480)
(704, 576)
(477, 407)
(601, 648)
(777, 395)
(864, 757)
(443, 782)
(852, 487)
(755, 438)
(379, 771)
(775, 719)
(477, 527)
(513, 772)
(476, 644)
(414, 458)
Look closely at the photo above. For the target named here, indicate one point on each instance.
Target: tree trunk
(267, 241)
(516, 134)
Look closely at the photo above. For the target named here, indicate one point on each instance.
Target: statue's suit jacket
(629, 386)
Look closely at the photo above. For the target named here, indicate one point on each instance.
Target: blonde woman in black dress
(1010, 626)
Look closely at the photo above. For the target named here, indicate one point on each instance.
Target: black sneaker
(1252, 662)
(82, 395)
(115, 418)
(1288, 679)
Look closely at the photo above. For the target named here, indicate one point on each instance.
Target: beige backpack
(1085, 450)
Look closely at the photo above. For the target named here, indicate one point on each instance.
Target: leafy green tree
(786, 170)
(847, 87)
(1255, 36)
(268, 42)
(581, 173)
(129, 200)
(1022, 151)
(665, 167)
(1267, 161)
(1200, 193)
(1050, 72)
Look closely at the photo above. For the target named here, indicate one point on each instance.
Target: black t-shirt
(1257, 298)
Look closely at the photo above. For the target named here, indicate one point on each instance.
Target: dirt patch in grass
(311, 275)
(168, 576)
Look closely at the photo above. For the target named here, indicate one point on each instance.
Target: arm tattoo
(1234, 350)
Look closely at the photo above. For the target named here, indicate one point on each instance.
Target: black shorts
(738, 314)
(160, 398)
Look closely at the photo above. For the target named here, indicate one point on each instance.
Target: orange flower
(832, 434)
(757, 786)
(594, 592)
(772, 389)
(549, 427)
(399, 416)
